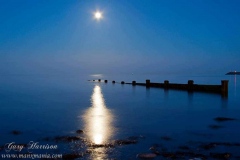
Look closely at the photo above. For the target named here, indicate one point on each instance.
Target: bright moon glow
(98, 15)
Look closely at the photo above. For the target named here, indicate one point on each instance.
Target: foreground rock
(212, 145)
(128, 141)
(16, 132)
(220, 155)
(67, 138)
(125, 142)
(166, 138)
(146, 155)
(79, 131)
(108, 145)
(1, 148)
(215, 126)
(222, 119)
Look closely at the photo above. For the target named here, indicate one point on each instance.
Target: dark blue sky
(137, 36)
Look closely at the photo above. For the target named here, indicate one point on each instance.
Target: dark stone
(236, 144)
(1, 148)
(16, 132)
(201, 134)
(153, 148)
(146, 155)
(67, 138)
(198, 155)
(208, 146)
(79, 131)
(158, 149)
(101, 145)
(220, 155)
(60, 138)
(222, 119)
(215, 126)
(166, 138)
(72, 138)
(227, 144)
(135, 137)
(184, 155)
(178, 154)
(213, 145)
(169, 155)
(89, 151)
(156, 152)
(181, 154)
(125, 142)
(122, 82)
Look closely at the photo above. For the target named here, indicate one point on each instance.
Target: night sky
(134, 36)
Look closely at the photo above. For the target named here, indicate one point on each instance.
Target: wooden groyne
(190, 86)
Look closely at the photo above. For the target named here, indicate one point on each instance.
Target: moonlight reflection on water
(98, 124)
(98, 119)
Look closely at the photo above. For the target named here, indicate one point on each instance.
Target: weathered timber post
(166, 82)
(113, 81)
(224, 88)
(190, 82)
(190, 85)
(99, 80)
(106, 81)
(133, 83)
(148, 83)
(122, 82)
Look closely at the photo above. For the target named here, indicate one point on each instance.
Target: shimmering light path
(98, 121)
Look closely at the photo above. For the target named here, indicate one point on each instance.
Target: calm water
(42, 107)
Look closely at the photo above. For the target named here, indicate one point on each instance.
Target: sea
(73, 117)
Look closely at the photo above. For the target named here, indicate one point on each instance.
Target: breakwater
(189, 86)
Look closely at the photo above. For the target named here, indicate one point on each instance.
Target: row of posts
(224, 84)
(166, 83)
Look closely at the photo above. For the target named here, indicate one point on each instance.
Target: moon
(98, 15)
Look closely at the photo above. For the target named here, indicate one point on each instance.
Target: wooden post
(224, 87)
(148, 83)
(106, 81)
(133, 83)
(190, 85)
(166, 82)
(190, 82)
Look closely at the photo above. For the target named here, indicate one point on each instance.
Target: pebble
(146, 155)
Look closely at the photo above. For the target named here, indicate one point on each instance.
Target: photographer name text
(12, 146)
